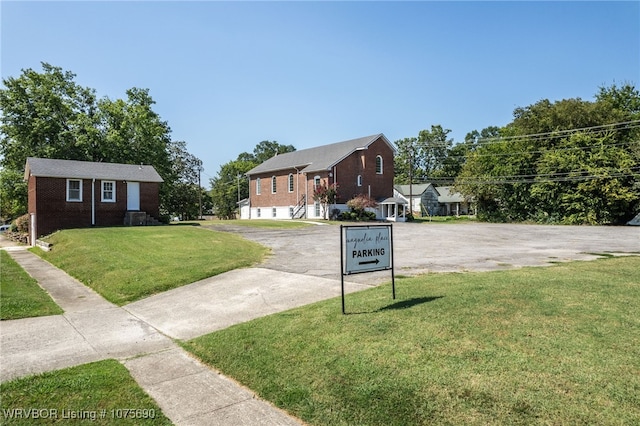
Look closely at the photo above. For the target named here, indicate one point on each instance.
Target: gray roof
(72, 169)
(448, 196)
(445, 193)
(416, 189)
(319, 158)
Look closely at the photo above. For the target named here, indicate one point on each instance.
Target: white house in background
(430, 200)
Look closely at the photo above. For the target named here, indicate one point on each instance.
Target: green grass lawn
(20, 295)
(556, 345)
(102, 393)
(261, 223)
(444, 219)
(125, 264)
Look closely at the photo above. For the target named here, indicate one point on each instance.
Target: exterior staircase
(300, 210)
(135, 218)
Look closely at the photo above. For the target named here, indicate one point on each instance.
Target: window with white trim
(290, 182)
(258, 212)
(379, 165)
(316, 209)
(74, 190)
(273, 212)
(273, 184)
(316, 181)
(108, 191)
(258, 186)
(359, 180)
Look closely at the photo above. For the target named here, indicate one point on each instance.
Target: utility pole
(411, 151)
(238, 178)
(199, 191)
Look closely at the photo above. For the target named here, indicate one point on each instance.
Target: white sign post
(366, 248)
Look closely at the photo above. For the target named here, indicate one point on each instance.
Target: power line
(554, 150)
(568, 176)
(560, 133)
(547, 178)
(624, 125)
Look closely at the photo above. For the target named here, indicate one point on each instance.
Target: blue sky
(227, 75)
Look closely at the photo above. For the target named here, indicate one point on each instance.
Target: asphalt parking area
(436, 247)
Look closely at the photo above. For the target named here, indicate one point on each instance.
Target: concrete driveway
(442, 247)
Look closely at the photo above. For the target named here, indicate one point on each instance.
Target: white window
(379, 165)
(258, 211)
(74, 190)
(359, 180)
(258, 186)
(273, 212)
(316, 181)
(316, 209)
(291, 212)
(108, 191)
(273, 184)
(290, 182)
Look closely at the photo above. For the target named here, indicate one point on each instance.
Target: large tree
(265, 150)
(570, 161)
(13, 194)
(425, 157)
(47, 114)
(231, 184)
(186, 198)
(229, 187)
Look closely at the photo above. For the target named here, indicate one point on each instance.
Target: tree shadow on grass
(404, 304)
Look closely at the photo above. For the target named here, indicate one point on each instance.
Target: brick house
(282, 187)
(76, 194)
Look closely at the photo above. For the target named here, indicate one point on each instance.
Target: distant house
(430, 200)
(75, 194)
(283, 186)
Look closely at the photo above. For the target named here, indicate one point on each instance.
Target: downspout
(335, 185)
(306, 194)
(297, 188)
(93, 202)
(335, 180)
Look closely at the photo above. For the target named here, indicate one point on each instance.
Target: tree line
(571, 161)
(47, 114)
(230, 186)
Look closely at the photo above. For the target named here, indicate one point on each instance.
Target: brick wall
(282, 196)
(48, 200)
(363, 163)
(345, 174)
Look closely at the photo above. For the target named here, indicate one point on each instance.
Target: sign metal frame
(366, 248)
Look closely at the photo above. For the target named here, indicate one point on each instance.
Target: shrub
(361, 202)
(357, 209)
(22, 224)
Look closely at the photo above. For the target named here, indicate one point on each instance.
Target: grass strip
(262, 223)
(20, 294)
(125, 264)
(556, 345)
(445, 219)
(101, 393)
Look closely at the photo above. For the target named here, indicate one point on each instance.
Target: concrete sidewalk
(140, 336)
